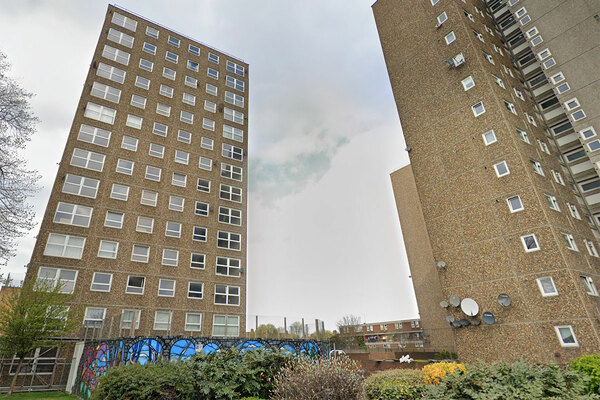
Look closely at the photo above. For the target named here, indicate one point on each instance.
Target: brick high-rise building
(499, 107)
(146, 222)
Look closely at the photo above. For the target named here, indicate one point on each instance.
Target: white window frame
(468, 83)
(511, 206)
(543, 291)
(81, 186)
(227, 293)
(144, 224)
(153, 173)
(166, 291)
(59, 241)
(562, 340)
(173, 229)
(535, 241)
(162, 325)
(137, 255)
(114, 219)
(229, 240)
(197, 264)
(199, 234)
(569, 240)
(179, 179)
(73, 214)
(48, 283)
(170, 257)
(476, 106)
(139, 290)
(108, 249)
(496, 168)
(184, 136)
(192, 326)
(227, 266)
(87, 159)
(176, 203)
(489, 137)
(192, 292)
(101, 286)
(146, 200)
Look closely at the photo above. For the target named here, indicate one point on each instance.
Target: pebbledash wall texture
(487, 206)
(146, 222)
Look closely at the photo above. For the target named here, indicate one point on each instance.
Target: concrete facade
(164, 118)
(492, 210)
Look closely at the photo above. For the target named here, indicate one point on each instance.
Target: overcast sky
(324, 238)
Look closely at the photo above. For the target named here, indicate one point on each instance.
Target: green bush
(590, 365)
(163, 381)
(322, 379)
(518, 380)
(395, 384)
(229, 375)
(446, 355)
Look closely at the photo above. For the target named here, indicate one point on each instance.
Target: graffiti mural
(99, 356)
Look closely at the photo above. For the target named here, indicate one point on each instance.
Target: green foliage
(590, 365)
(322, 378)
(145, 382)
(446, 355)
(229, 375)
(395, 384)
(518, 380)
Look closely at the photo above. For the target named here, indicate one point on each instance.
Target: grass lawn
(40, 395)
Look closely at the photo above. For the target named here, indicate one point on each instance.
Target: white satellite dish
(469, 307)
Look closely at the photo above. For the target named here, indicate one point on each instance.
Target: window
(543, 146)
(105, 92)
(531, 32)
(234, 83)
(109, 72)
(125, 22)
(229, 240)
(140, 253)
(173, 229)
(49, 278)
(510, 107)
(557, 78)
(589, 286)
(552, 202)
(134, 121)
(588, 133)
(478, 109)
(234, 116)
(173, 41)
(169, 73)
(193, 322)
(87, 159)
(566, 336)
(191, 100)
(194, 66)
(231, 172)
(594, 145)
(138, 101)
(501, 169)
(230, 193)
(443, 17)
(211, 89)
(498, 81)
(129, 143)
(558, 177)
(195, 50)
(146, 65)
(202, 208)
(195, 290)
(563, 127)
(182, 157)
(72, 214)
(234, 99)
(571, 104)
(166, 91)
(66, 246)
(208, 124)
(163, 109)
(120, 56)
(198, 261)
(94, 317)
(206, 143)
(186, 117)
(153, 33)
(498, 50)
(489, 58)
(142, 82)
(170, 257)
(519, 94)
(191, 82)
(228, 295)
(547, 286)
(237, 153)
(101, 282)
(549, 63)
(149, 48)
(160, 129)
(114, 219)
(573, 210)
(174, 58)
(149, 198)
(578, 115)
(205, 163)
(228, 266)
(520, 12)
(226, 325)
(469, 15)
(569, 241)
(515, 204)
(144, 224)
(434, 2)
(468, 83)
(536, 40)
(119, 192)
(127, 319)
(451, 37)
(537, 167)
(162, 320)
(591, 248)
(213, 58)
(203, 185)
(81, 186)
(179, 179)
(153, 173)
(166, 287)
(478, 35)
(530, 242)
(156, 150)
(108, 249)
(135, 285)
(184, 136)
(235, 68)
(230, 132)
(212, 73)
(199, 234)
(176, 203)
(100, 113)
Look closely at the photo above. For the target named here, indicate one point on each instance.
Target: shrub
(322, 379)
(446, 355)
(149, 382)
(518, 380)
(590, 365)
(227, 375)
(436, 371)
(395, 384)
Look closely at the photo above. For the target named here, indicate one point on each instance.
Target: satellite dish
(441, 264)
(469, 307)
(504, 299)
(465, 322)
(444, 304)
(476, 322)
(456, 324)
(488, 318)
(454, 300)
(450, 319)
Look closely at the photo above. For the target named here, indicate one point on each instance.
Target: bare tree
(348, 320)
(296, 329)
(17, 183)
